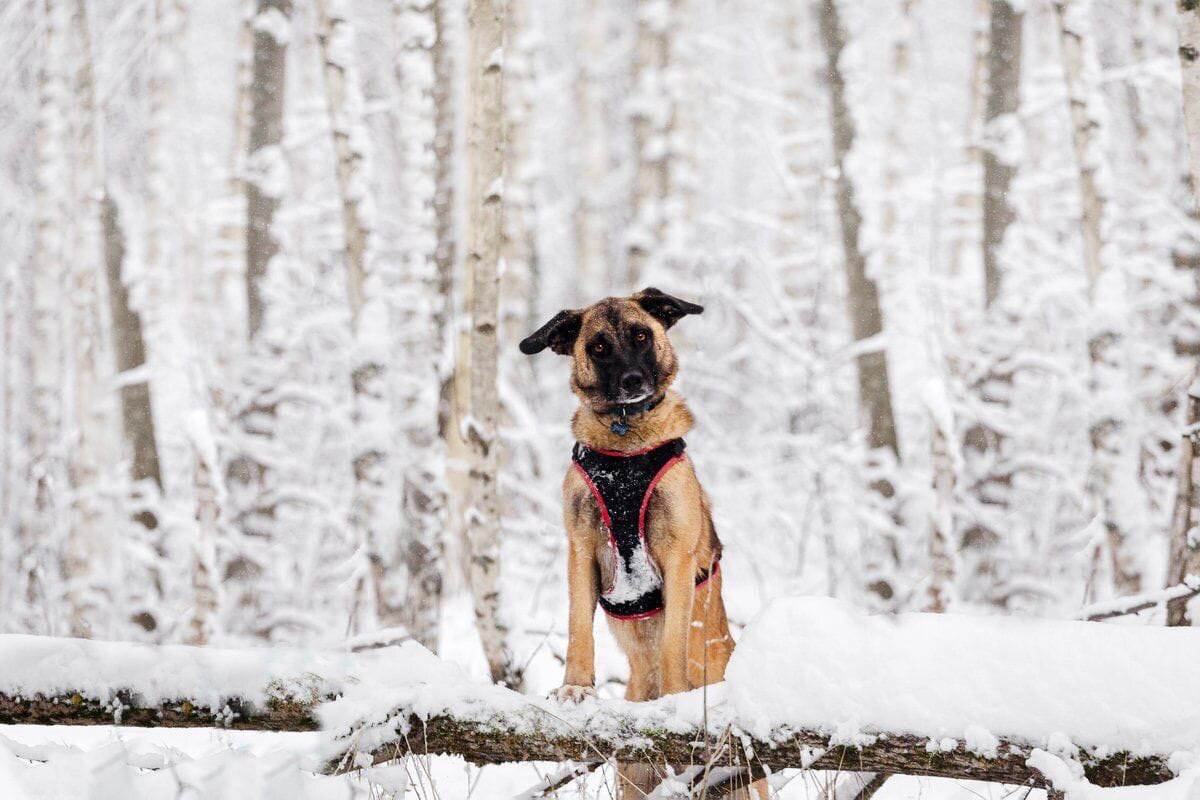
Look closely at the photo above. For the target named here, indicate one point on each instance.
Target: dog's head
(619, 347)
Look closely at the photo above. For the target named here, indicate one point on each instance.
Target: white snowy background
(741, 123)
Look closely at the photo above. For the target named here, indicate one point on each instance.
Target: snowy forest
(266, 263)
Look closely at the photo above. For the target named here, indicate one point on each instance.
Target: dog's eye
(598, 348)
(640, 336)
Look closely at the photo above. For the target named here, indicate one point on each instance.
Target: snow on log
(814, 683)
(817, 683)
(46, 680)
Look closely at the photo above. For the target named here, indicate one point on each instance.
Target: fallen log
(814, 684)
(819, 684)
(489, 743)
(123, 707)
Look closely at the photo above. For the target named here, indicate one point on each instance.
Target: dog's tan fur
(688, 644)
(667, 651)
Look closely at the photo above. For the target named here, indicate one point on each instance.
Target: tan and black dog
(640, 533)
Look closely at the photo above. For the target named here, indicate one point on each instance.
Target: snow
(1065, 776)
(824, 664)
(805, 662)
(374, 712)
(207, 676)
(635, 577)
(275, 24)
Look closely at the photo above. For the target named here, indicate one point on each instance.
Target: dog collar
(624, 411)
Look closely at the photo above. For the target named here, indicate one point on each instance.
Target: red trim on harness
(650, 490)
(599, 500)
(634, 617)
(647, 614)
(625, 453)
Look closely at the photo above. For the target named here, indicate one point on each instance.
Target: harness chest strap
(622, 483)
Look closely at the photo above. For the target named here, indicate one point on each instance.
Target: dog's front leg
(582, 584)
(679, 592)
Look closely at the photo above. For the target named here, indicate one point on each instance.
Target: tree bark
(487, 28)
(862, 294)
(653, 119)
(45, 524)
(203, 623)
(941, 524)
(1105, 428)
(983, 443)
(336, 40)
(94, 446)
(493, 739)
(1189, 61)
(368, 378)
(128, 347)
(1185, 520)
(129, 351)
(1003, 103)
(493, 742)
(425, 78)
(866, 317)
(1185, 523)
(265, 156)
(894, 754)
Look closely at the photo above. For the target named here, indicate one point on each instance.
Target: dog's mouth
(624, 398)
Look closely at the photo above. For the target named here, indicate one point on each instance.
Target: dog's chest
(622, 485)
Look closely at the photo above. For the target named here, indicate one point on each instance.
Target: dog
(641, 541)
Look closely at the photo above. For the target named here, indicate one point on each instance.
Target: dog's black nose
(632, 381)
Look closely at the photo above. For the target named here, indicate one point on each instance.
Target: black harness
(622, 484)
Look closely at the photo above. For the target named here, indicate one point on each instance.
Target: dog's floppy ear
(559, 334)
(663, 307)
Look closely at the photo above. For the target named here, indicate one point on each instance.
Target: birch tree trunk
(862, 294)
(91, 408)
(653, 117)
(368, 378)
(1184, 559)
(591, 223)
(968, 202)
(202, 622)
(941, 519)
(520, 284)
(14, 342)
(128, 348)
(983, 443)
(232, 230)
(424, 75)
(265, 160)
(1185, 522)
(336, 40)
(247, 471)
(486, 28)
(1000, 118)
(46, 522)
(129, 352)
(866, 317)
(1106, 427)
(1189, 61)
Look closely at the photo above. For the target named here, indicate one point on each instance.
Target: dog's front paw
(568, 693)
